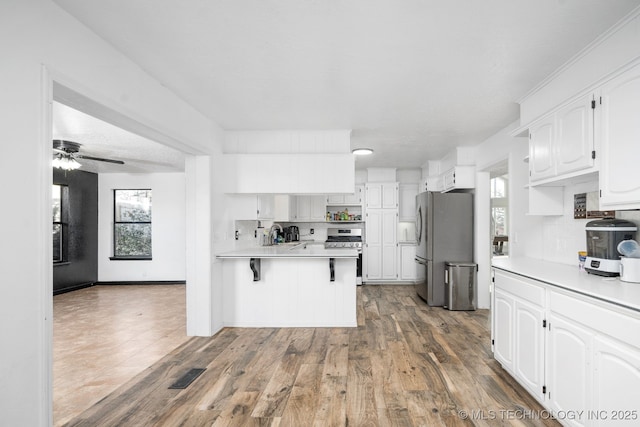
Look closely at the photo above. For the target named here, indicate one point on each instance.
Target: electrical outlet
(312, 231)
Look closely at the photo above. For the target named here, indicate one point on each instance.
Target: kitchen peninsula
(301, 285)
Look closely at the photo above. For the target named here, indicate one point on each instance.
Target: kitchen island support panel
(292, 292)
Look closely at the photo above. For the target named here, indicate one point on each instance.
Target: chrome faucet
(271, 234)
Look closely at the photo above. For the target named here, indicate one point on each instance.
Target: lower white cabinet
(519, 330)
(407, 262)
(569, 364)
(573, 353)
(380, 250)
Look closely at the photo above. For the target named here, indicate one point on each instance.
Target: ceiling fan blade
(118, 162)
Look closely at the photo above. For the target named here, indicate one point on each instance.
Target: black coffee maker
(291, 234)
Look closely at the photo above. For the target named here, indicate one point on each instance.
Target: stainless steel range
(347, 238)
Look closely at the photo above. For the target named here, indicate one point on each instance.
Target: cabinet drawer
(521, 287)
(608, 319)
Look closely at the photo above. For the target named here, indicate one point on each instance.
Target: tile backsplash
(564, 236)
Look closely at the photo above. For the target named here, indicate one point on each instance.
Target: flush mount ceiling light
(65, 162)
(362, 151)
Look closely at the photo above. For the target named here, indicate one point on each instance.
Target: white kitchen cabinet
(382, 195)
(265, 206)
(620, 133)
(519, 330)
(459, 177)
(380, 252)
(541, 160)
(574, 142)
(407, 202)
(616, 368)
(503, 309)
(352, 199)
(562, 143)
(569, 365)
(306, 208)
(407, 262)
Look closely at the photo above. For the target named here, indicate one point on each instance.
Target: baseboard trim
(72, 288)
(144, 282)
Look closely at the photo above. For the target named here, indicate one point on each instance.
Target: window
(59, 201)
(499, 214)
(132, 224)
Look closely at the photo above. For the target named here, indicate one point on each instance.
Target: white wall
(168, 224)
(40, 42)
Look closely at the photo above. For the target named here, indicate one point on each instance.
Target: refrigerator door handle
(419, 261)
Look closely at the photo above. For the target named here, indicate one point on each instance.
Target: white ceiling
(103, 140)
(412, 78)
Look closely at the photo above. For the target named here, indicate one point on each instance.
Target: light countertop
(300, 250)
(610, 289)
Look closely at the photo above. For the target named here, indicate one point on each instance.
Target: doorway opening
(499, 205)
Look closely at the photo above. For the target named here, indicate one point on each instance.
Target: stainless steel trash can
(460, 284)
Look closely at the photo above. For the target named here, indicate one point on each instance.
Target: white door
(407, 202)
(620, 141)
(265, 206)
(574, 139)
(529, 347)
(541, 158)
(356, 197)
(335, 199)
(569, 367)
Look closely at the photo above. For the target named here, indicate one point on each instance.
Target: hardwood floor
(105, 335)
(406, 364)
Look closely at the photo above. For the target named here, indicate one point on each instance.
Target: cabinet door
(318, 208)
(356, 197)
(407, 262)
(574, 138)
(303, 208)
(335, 199)
(265, 206)
(407, 202)
(541, 162)
(372, 253)
(620, 141)
(529, 347)
(390, 196)
(503, 316)
(569, 366)
(616, 374)
(374, 196)
(389, 244)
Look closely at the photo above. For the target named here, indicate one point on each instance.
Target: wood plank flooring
(105, 335)
(406, 364)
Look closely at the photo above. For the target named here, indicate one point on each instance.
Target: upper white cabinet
(562, 143)
(309, 208)
(265, 206)
(575, 145)
(541, 160)
(407, 202)
(620, 133)
(353, 199)
(459, 177)
(382, 195)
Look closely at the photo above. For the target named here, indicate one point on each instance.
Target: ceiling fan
(67, 153)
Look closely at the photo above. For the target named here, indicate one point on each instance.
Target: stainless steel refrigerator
(444, 232)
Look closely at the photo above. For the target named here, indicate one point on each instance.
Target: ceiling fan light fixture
(65, 162)
(362, 151)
